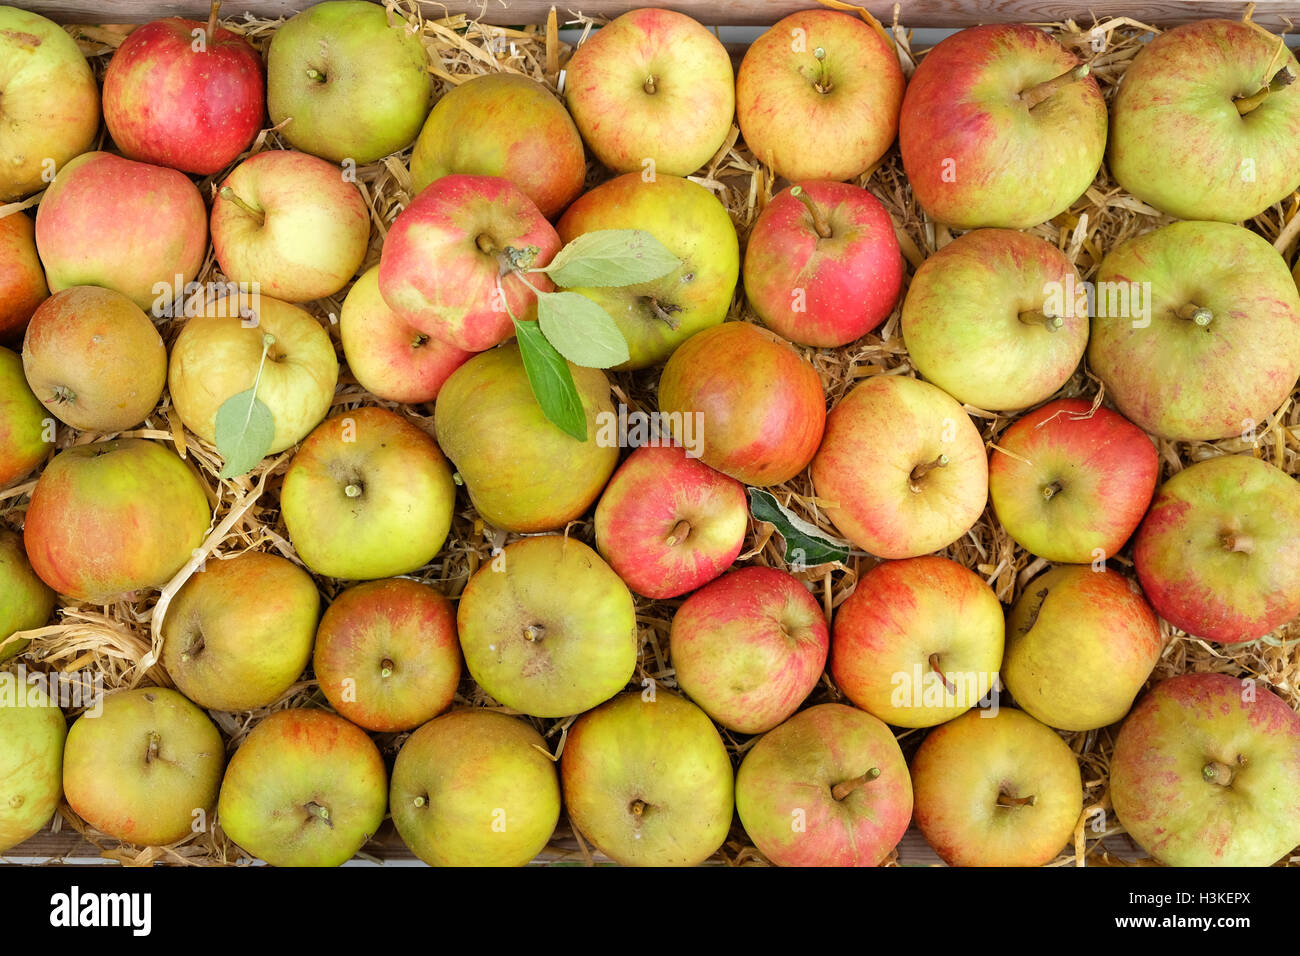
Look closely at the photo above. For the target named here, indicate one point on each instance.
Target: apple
(24, 426)
(548, 628)
(996, 789)
(523, 473)
(305, 788)
(239, 632)
(1206, 772)
(508, 125)
(475, 788)
(749, 647)
(657, 316)
(1218, 553)
(368, 495)
(818, 95)
(978, 321)
(218, 355)
(390, 358)
(353, 83)
(1217, 347)
(829, 787)
(51, 101)
(647, 779)
(667, 523)
(94, 359)
(147, 769)
(26, 602)
(32, 732)
(1206, 125)
(652, 89)
(1071, 483)
(822, 266)
(1080, 645)
(113, 517)
(918, 641)
(291, 223)
(386, 654)
(759, 403)
(120, 224)
(476, 229)
(172, 100)
(22, 278)
(901, 469)
(1001, 126)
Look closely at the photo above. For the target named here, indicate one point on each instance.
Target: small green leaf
(805, 543)
(245, 429)
(611, 257)
(581, 330)
(551, 381)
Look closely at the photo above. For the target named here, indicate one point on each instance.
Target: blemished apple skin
(123, 225)
(475, 788)
(23, 422)
(976, 153)
(51, 101)
(1071, 483)
(866, 468)
(1206, 772)
(305, 788)
(1080, 645)
(169, 103)
(389, 357)
(22, 277)
(386, 654)
(1177, 139)
(1174, 378)
(465, 224)
(504, 124)
(239, 633)
(216, 356)
(965, 767)
(113, 517)
(823, 291)
(652, 85)
(829, 787)
(749, 647)
(655, 317)
(31, 762)
(648, 781)
(667, 523)
(807, 127)
(142, 769)
(547, 628)
(522, 472)
(368, 495)
(1218, 553)
(760, 404)
(927, 613)
(94, 359)
(26, 601)
(972, 320)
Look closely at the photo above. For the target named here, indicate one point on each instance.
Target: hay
(121, 640)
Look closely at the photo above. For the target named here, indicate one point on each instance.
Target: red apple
(22, 279)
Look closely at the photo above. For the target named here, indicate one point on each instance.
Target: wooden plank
(1273, 14)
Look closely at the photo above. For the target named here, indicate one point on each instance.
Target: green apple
(26, 602)
(26, 430)
(32, 731)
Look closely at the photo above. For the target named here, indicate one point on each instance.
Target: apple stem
(819, 221)
(1281, 79)
(1196, 313)
(151, 752)
(638, 807)
(533, 633)
(1006, 800)
(420, 801)
(386, 668)
(212, 20)
(844, 788)
(1041, 91)
(1235, 541)
(649, 85)
(319, 812)
(230, 195)
(1049, 322)
(664, 313)
(681, 531)
(315, 74)
(920, 471)
(947, 684)
(1216, 772)
(352, 490)
(823, 84)
(1049, 491)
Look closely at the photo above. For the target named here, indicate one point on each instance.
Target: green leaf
(581, 330)
(611, 257)
(551, 381)
(245, 429)
(805, 544)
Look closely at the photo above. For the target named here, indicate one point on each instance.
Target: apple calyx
(316, 811)
(820, 224)
(846, 787)
(1050, 491)
(1050, 322)
(681, 531)
(823, 84)
(1007, 801)
(1035, 94)
(151, 751)
(386, 667)
(934, 666)
(921, 470)
(638, 807)
(1236, 541)
(420, 340)
(230, 195)
(1281, 80)
(61, 395)
(1197, 314)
